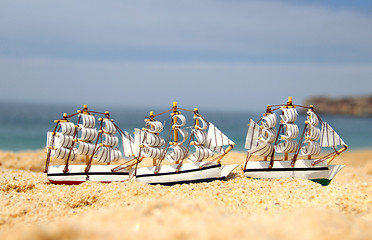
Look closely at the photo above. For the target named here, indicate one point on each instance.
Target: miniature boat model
(188, 173)
(68, 141)
(263, 140)
(147, 143)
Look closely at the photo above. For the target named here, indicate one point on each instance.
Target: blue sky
(238, 55)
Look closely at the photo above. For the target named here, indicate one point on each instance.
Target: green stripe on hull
(322, 181)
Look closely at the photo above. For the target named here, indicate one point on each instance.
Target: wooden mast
(175, 131)
(151, 119)
(289, 105)
(268, 112)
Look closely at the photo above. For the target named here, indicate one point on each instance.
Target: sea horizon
(23, 126)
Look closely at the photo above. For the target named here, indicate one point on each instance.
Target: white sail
(49, 139)
(287, 146)
(263, 148)
(88, 134)
(312, 118)
(128, 145)
(85, 148)
(152, 140)
(109, 126)
(289, 115)
(253, 132)
(107, 154)
(329, 138)
(88, 121)
(291, 131)
(310, 148)
(64, 153)
(154, 127)
(269, 121)
(200, 137)
(67, 128)
(200, 153)
(138, 140)
(268, 135)
(61, 140)
(216, 138)
(154, 152)
(184, 135)
(179, 153)
(181, 120)
(312, 133)
(110, 140)
(203, 125)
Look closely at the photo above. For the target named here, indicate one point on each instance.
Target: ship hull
(77, 175)
(188, 173)
(321, 173)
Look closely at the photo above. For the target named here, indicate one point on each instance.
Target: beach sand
(239, 208)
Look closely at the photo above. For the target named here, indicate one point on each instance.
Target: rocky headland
(348, 106)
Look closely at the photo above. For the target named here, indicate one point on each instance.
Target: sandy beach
(239, 208)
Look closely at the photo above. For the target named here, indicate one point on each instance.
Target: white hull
(321, 172)
(189, 172)
(77, 175)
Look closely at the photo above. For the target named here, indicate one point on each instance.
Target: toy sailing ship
(69, 140)
(264, 141)
(185, 167)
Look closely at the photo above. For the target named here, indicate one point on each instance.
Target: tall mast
(175, 131)
(151, 118)
(290, 130)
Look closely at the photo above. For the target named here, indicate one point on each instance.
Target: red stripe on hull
(75, 182)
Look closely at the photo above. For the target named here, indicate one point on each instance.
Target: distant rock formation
(351, 106)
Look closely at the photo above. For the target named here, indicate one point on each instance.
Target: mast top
(175, 111)
(290, 103)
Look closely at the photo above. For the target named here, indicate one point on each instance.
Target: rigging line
(71, 147)
(183, 109)
(163, 112)
(71, 115)
(95, 150)
(300, 144)
(247, 159)
(188, 150)
(89, 111)
(321, 121)
(165, 148)
(275, 143)
(50, 150)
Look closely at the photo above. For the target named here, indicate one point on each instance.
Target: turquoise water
(24, 126)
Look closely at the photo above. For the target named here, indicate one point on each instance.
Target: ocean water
(24, 126)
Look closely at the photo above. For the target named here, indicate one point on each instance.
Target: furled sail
(107, 154)
(207, 143)
(148, 141)
(107, 151)
(60, 143)
(259, 140)
(312, 135)
(178, 151)
(288, 145)
(88, 134)
(329, 138)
